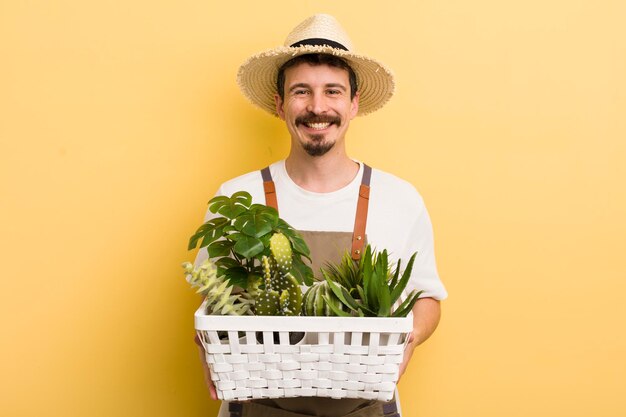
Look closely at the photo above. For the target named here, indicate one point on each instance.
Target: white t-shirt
(397, 219)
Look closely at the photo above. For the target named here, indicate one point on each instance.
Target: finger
(210, 384)
(207, 374)
(212, 390)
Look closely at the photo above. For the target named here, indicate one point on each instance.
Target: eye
(300, 92)
(333, 92)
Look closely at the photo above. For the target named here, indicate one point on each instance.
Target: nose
(317, 103)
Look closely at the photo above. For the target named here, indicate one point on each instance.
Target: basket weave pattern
(361, 363)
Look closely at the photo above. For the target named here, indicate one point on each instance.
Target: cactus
(317, 300)
(282, 295)
(216, 290)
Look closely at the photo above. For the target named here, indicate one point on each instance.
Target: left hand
(408, 352)
(426, 314)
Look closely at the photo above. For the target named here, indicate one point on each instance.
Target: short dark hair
(316, 59)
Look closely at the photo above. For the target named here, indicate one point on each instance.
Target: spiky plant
(348, 273)
(319, 296)
(216, 290)
(281, 295)
(378, 287)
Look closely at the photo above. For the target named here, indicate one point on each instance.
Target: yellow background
(119, 119)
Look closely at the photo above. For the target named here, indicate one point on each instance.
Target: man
(317, 85)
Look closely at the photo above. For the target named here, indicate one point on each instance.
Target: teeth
(318, 126)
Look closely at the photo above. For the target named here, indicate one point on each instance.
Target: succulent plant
(281, 295)
(216, 290)
(378, 286)
(348, 273)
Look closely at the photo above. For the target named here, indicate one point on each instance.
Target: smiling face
(317, 107)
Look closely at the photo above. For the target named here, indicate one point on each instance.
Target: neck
(321, 174)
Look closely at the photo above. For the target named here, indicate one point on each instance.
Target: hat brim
(257, 76)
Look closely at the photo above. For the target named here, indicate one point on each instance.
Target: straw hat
(320, 33)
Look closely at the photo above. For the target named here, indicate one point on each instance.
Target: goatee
(317, 147)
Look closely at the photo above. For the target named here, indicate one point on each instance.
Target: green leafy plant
(216, 290)
(370, 287)
(239, 237)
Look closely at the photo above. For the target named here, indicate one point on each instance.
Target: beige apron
(325, 247)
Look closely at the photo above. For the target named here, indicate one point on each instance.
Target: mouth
(317, 126)
(316, 122)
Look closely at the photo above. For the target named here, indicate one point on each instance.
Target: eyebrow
(329, 85)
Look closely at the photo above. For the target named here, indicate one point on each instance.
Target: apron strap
(360, 221)
(269, 188)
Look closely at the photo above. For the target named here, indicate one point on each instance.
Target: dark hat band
(319, 42)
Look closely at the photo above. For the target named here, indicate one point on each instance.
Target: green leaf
(260, 208)
(218, 202)
(367, 267)
(341, 293)
(235, 236)
(396, 290)
(334, 308)
(362, 306)
(229, 228)
(225, 263)
(237, 276)
(396, 274)
(384, 263)
(208, 232)
(298, 244)
(407, 305)
(242, 197)
(231, 207)
(302, 272)
(373, 290)
(266, 241)
(248, 246)
(220, 248)
(255, 224)
(360, 291)
(300, 247)
(384, 308)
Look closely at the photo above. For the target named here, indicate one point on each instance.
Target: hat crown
(319, 26)
(318, 34)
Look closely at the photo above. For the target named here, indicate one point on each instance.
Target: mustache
(317, 118)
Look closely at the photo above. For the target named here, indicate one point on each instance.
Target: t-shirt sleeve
(424, 276)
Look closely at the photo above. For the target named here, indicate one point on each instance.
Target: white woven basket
(339, 357)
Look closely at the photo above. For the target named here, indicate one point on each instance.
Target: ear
(279, 106)
(355, 106)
